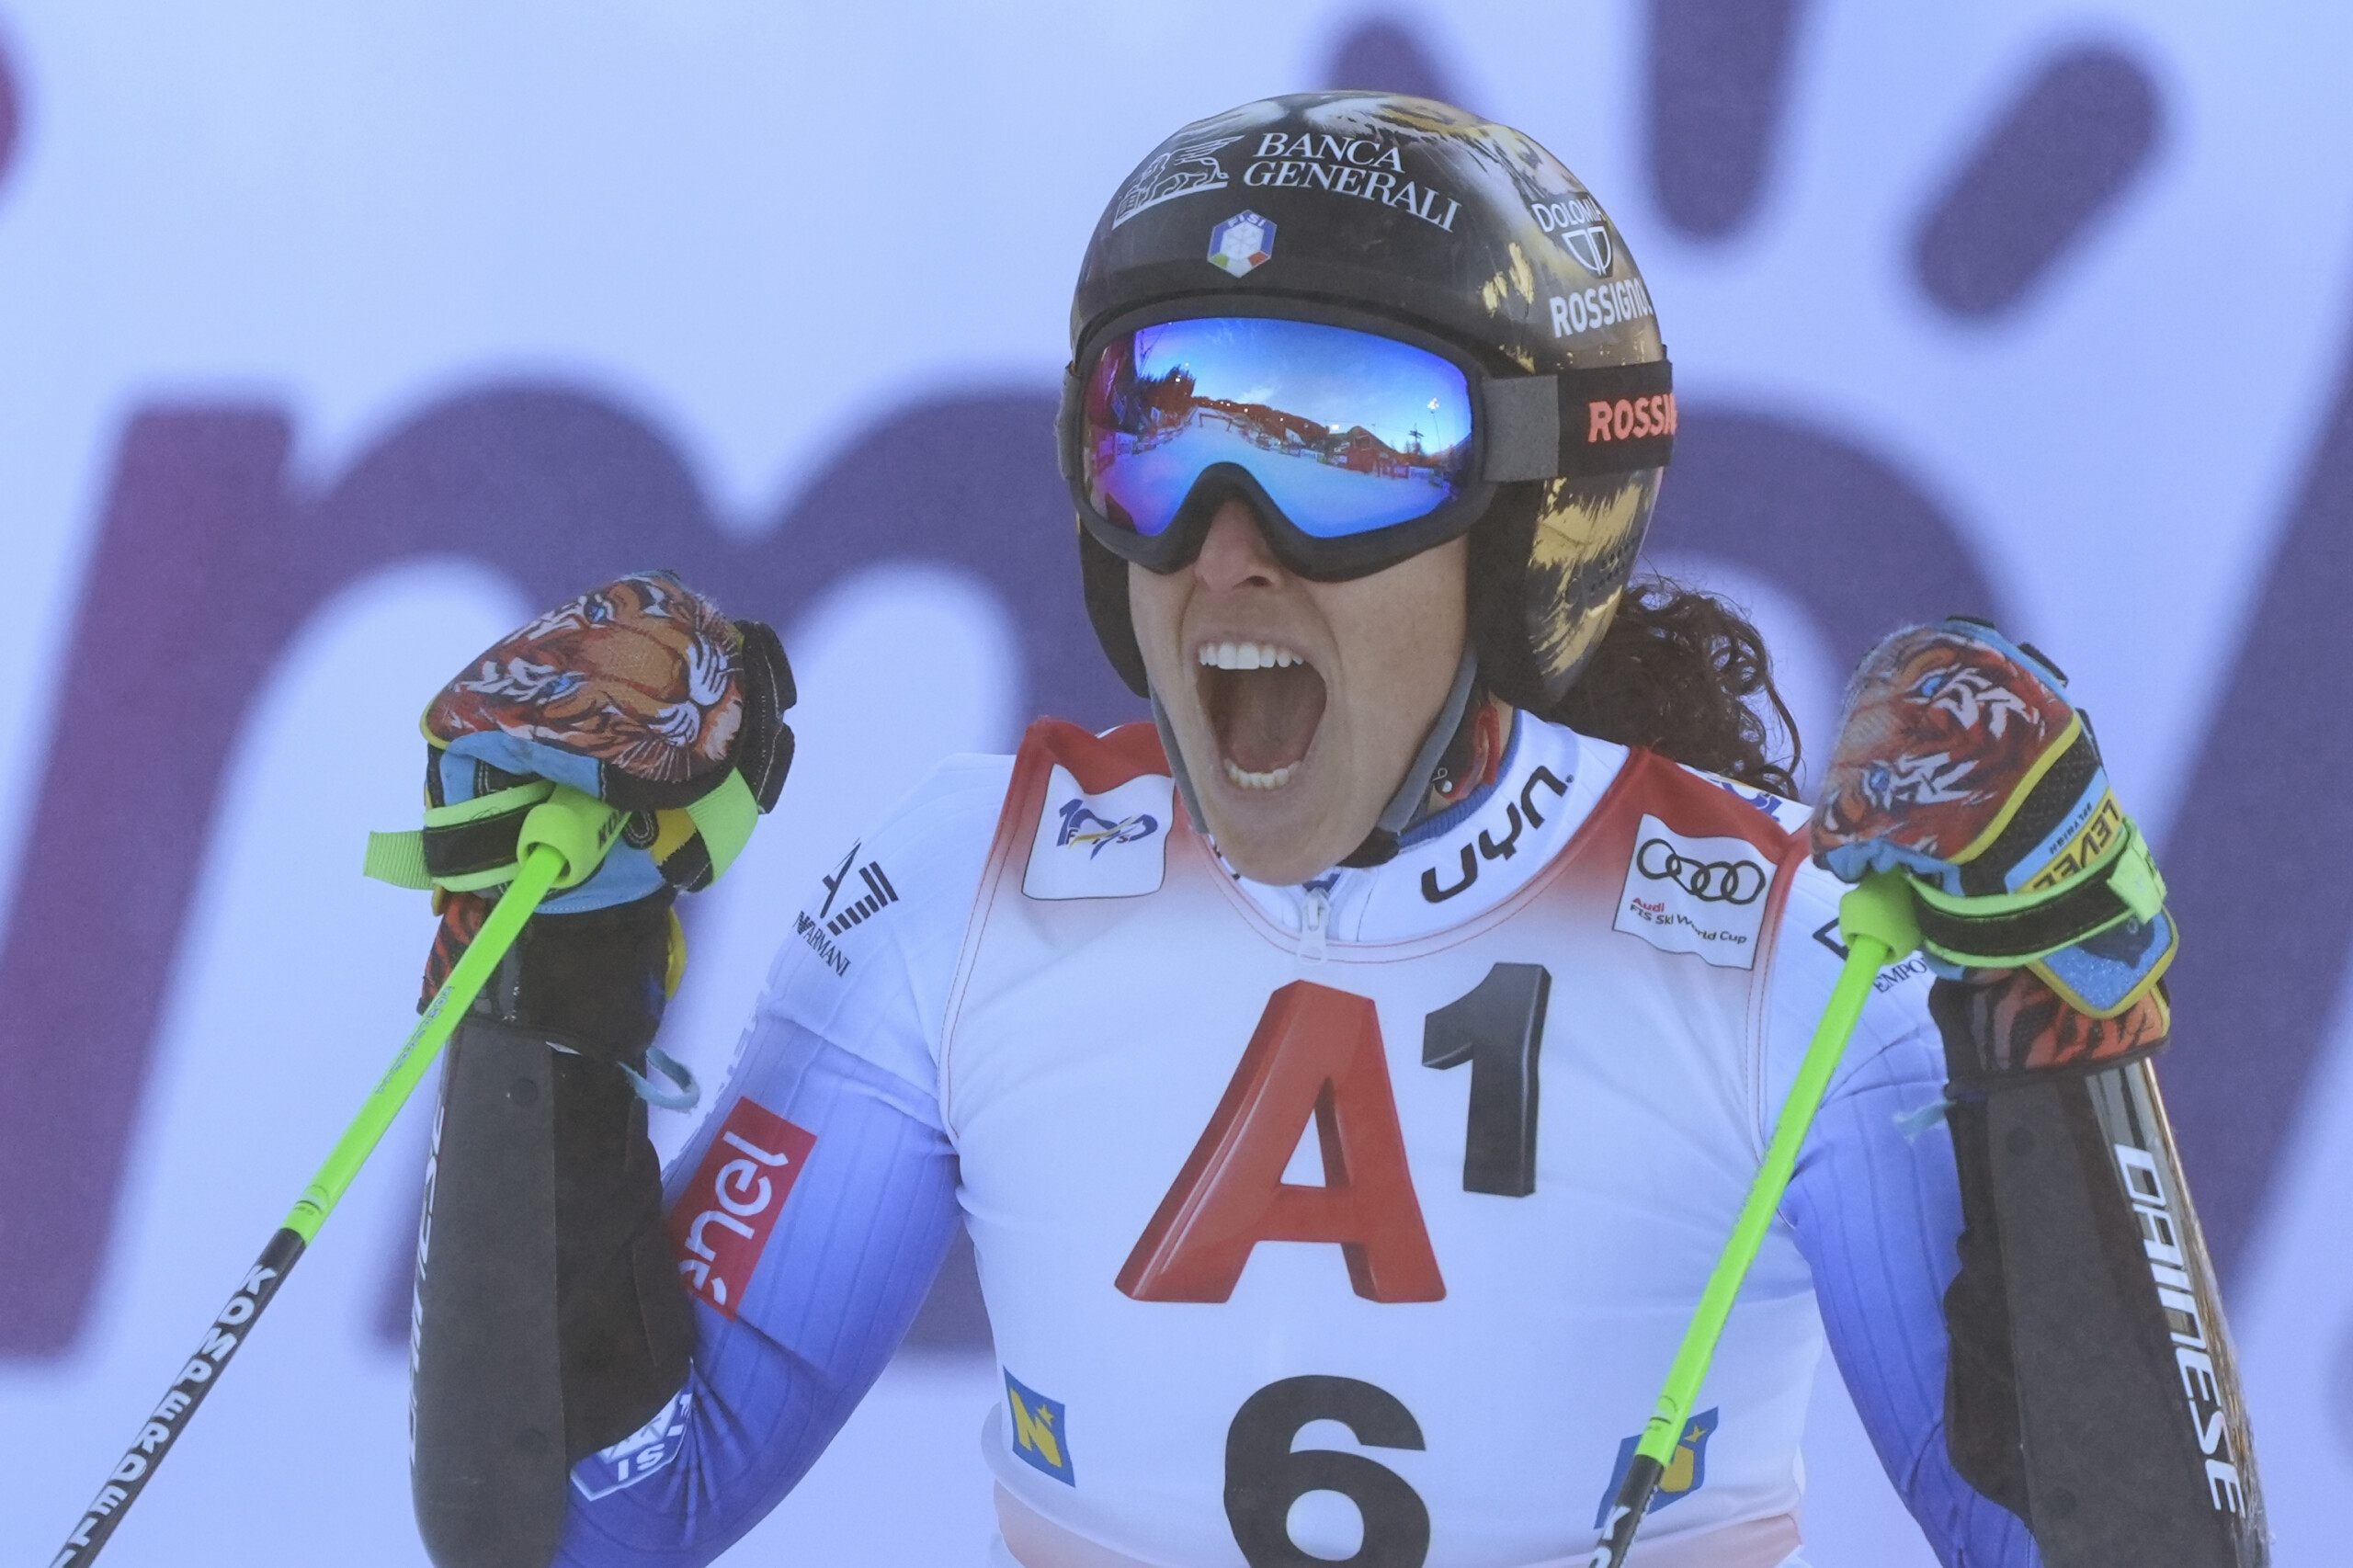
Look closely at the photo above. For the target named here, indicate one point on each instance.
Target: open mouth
(1263, 704)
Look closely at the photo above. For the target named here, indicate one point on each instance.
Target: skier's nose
(1235, 553)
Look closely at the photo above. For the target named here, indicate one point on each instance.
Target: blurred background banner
(335, 339)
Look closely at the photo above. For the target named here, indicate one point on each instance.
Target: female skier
(1350, 1079)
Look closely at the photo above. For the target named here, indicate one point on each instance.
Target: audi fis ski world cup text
(1694, 895)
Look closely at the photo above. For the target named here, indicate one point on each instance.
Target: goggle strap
(1610, 420)
(1067, 440)
(1523, 414)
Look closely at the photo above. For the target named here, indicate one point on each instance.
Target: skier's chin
(1274, 836)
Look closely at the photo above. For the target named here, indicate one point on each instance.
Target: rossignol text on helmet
(1386, 323)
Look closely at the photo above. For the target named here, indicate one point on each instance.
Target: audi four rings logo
(1712, 881)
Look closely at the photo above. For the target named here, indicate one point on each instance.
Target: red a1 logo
(1316, 1053)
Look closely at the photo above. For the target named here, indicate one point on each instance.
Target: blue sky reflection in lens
(1347, 431)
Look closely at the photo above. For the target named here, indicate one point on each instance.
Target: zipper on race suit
(1314, 918)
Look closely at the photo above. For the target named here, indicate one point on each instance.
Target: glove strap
(465, 847)
(726, 818)
(2001, 930)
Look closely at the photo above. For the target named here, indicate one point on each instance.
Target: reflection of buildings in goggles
(1327, 482)
(1131, 416)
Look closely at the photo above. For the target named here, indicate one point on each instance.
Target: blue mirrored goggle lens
(1346, 431)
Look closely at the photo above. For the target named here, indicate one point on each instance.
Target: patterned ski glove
(638, 693)
(1961, 761)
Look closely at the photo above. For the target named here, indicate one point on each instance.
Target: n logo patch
(1037, 1429)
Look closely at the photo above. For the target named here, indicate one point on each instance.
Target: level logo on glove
(1961, 762)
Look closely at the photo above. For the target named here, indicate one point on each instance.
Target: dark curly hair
(1675, 673)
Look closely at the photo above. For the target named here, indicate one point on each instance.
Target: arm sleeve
(1875, 1206)
(841, 1050)
(861, 1237)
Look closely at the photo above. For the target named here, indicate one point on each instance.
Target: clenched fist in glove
(638, 693)
(1961, 763)
(2085, 1309)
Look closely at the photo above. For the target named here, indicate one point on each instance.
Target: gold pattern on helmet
(1582, 548)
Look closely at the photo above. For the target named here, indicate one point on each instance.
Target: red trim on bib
(1098, 762)
(1692, 805)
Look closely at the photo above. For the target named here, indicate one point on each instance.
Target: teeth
(1244, 779)
(1247, 656)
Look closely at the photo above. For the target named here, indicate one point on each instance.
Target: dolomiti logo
(723, 1222)
(1577, 222)
(1704, 896)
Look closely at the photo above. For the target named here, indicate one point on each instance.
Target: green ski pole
(1875, 920)
(562, 841)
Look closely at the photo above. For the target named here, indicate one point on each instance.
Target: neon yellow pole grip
(1876, 921)
(578, 827)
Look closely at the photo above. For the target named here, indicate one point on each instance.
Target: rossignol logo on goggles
(1628, 418)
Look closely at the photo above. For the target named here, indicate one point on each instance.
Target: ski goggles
(1357, 448)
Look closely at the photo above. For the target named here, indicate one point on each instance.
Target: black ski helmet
(1413, 212)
